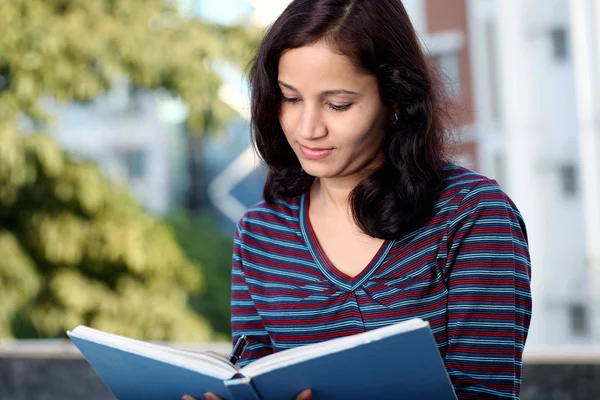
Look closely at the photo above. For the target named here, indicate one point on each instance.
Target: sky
(222, 11)
(229, 11)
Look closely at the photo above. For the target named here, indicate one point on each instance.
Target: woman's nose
(311, 126)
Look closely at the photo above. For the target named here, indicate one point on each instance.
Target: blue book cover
(397, 361)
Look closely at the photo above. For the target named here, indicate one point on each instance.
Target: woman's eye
(338, 107)
(290, 99)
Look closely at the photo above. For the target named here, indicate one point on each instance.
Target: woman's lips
(315, 153)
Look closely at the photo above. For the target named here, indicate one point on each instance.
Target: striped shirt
(466, 271)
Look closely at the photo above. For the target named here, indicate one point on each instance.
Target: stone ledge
(49, 370)
(62, 348)
(562, 355)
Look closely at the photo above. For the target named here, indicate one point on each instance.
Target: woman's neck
(332, 196)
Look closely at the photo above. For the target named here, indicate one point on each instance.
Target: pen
(238, 349)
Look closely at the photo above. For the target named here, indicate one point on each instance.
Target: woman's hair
(379, 39)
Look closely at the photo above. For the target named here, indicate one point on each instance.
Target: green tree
(74, 249)
(202, 241)
(73, 50)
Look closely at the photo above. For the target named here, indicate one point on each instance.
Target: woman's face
(331, 113)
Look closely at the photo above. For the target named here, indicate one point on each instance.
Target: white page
(195, 361)
(299, 354)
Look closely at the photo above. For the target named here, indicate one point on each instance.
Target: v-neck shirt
(466, 271)
(333, 274)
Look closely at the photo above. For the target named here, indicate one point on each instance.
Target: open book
(399, 361)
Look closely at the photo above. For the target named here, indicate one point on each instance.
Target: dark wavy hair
(379, 38)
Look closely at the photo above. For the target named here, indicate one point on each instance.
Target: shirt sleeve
(245, 320)
(488, 272)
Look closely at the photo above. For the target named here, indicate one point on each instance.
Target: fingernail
(186, 397)
(208, 396)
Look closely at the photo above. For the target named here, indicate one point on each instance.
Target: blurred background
(125, 162)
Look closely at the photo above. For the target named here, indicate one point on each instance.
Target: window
(449, 66)
(579, 319)
(136, 162)
(559, 43)
(568, 175)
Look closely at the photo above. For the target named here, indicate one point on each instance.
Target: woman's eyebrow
(338, 91)
(325, 92)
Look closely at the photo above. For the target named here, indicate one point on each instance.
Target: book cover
(398, 361)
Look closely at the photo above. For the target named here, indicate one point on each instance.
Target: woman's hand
(305, 395)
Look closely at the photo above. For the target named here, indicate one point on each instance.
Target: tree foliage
(75, 49)
(73, 248)
(202, 242)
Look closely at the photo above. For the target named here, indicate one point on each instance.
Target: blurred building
(585, 39)
(135, 137)
(527, 123)
(443, 28)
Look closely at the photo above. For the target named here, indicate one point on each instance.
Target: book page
(201, 362)
(307, 352)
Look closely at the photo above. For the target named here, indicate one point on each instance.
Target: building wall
(447, 39)
(526, 123)
(585, 41)
(130, 140)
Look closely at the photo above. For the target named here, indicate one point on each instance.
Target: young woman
(365, 221)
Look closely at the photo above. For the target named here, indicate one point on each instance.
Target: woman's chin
(320, 172)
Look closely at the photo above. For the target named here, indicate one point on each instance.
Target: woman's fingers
(207, 396)
(304, 395)
(211, 396)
